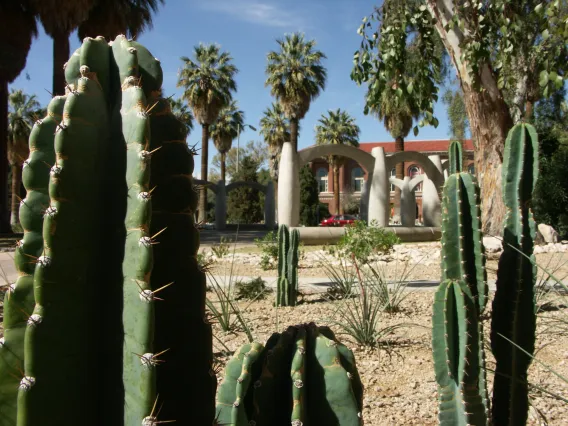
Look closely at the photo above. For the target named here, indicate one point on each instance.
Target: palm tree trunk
(294, 133)
(204, 163)
(336, 189)
(4, 222)
(60, 56)
(16, 184)
(398, 147)
(223, 166)
(529, 106)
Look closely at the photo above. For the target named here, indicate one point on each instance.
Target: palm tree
(275, 128)
(17, 30)
(397, 115)
(24, 110)
(338, 128)
(208, 83)
(59, 18)
(182, 112)
(225, 129)
(296, 76)
(110, 18)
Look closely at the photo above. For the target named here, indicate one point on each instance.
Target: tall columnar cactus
(19, 300)
(302, 376)
(287, 285)
(513, 318)
(119, 316)
(457, 336)
(456, 157)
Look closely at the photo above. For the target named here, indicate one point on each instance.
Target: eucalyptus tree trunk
(489, 117)
(399, 171)
(202, 218)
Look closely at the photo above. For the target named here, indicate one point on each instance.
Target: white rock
(549, 235)
(492, 244)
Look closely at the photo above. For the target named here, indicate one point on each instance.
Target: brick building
(352, 175)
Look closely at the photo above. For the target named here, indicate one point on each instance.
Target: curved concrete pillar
(431, 207)
(269, 206)
(407, 201)
(288, 187)
(379, 193)
(220, 206)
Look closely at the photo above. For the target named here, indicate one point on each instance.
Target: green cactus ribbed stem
(57, 388)
(513, 307)
(139, 357)
(302, 376)
(185, 381)
(287, 284)
(457, 339)
(19, 300)
(455, 154)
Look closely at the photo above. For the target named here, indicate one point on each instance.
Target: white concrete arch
(366, 160)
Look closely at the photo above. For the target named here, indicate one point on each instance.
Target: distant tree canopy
(244, 204)
(255, 149)
(309, 197)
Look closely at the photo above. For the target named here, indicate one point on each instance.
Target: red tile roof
(437, 145)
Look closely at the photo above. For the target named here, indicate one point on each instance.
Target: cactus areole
(107, 326)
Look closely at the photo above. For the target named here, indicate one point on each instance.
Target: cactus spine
(287, 285)
(301, 376)
(514, 305)
(110, 305)
(19, 300)
(457, 335)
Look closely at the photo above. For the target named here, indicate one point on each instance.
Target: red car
(338, 220)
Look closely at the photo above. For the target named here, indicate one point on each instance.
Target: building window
(321, 176)
(357, 178)
(414, 171)
(393, 174)
(471, 169)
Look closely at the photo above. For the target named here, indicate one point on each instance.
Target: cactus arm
(283, 283)
(139, 358)
(298, 375)
(57, 390)
(334, 402)
(150, 71)
(239, 415)
(456, 342)
(19, 300)
(182, 310)
(513, 306)
(455, 154)
(292, 259)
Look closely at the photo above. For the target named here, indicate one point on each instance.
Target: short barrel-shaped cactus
(301, 376)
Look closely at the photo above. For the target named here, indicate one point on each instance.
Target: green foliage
(254, 289)
(268, 246)
(342, 277)
(182, 113)
(301, 376)
(243, 205)
(253, 149)
(288, 256)
(457, 114)
(227, 126)
(222, 249)
(362, 241)
(275, 129)
(401, 64)
(309, 197)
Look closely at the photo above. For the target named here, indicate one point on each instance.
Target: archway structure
(376, 188)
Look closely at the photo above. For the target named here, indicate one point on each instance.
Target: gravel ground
(400, 387)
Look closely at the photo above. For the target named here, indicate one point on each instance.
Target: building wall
(321, 168)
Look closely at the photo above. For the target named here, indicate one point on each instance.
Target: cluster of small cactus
(457, 335)
(287, 286)
(106, 322)
(301, 376)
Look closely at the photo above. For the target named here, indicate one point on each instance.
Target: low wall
(318, 235)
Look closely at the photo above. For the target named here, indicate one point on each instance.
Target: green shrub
(269, 249)
(254, 289)
(362, 241)
(222, 249)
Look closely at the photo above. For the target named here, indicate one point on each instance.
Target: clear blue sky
(248, 30)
